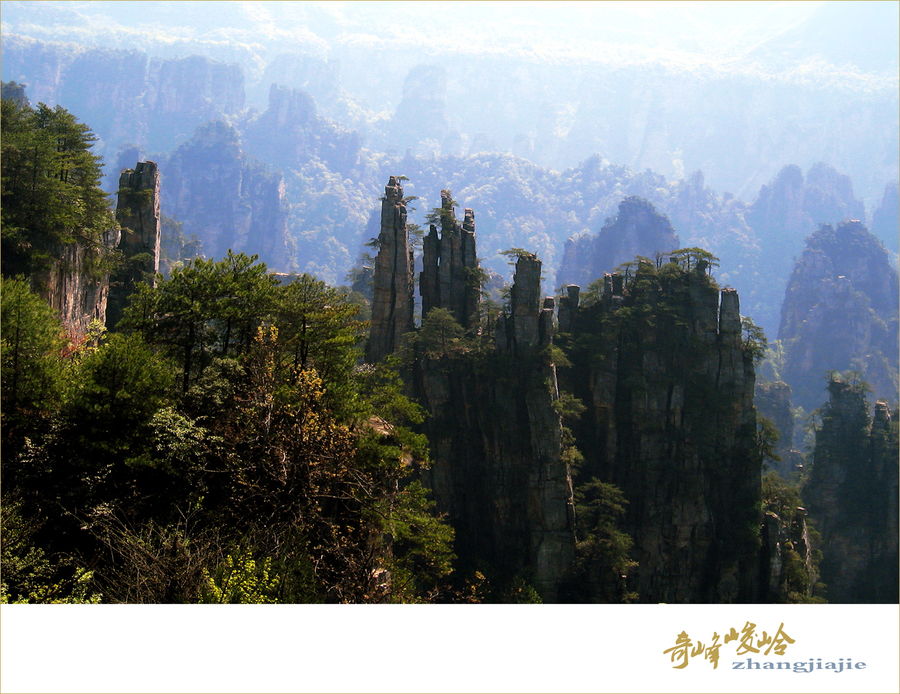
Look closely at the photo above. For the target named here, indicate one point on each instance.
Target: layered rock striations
(668, 384)
(844, 285)
(82, 290)
(659, 358)
(137, 212)
(393, 284)
(74, 286)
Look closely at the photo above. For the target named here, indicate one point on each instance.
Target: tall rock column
(449, 276)
(137, 212)
(659, 363)
(852, 495)
(392, 304)
(496, 439)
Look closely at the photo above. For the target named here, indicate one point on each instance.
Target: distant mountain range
(735, 90)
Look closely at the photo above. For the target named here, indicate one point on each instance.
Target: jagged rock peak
(137, 212)
(449, 276)
(447, 203)
(568, 306)
(644, 360)
(530, 321)
(637, 229)
(392, 303)
(843, 284)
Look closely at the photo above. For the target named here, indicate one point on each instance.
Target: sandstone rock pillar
(392, 304)
(449, 276)
(137, 212)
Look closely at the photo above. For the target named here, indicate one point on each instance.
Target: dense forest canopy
(51, 186)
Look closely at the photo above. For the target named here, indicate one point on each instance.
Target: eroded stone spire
(449, 276)
(530, 323)
(137, 212)
(392, 303)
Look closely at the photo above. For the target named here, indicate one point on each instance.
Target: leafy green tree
(602, 552)
(440, 336)
(32, 340)
(442, 217)
(100, 449)
(767, 436)
(240, 579)
(799, 576)
(754, 339)
(420, 558)
(51, 191)
(206, 308)
(29, 573)
(512, 255)
(290, 468)
(318, 328)
(698, 259)
(247, 296)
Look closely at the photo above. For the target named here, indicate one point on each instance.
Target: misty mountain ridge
(635, 84)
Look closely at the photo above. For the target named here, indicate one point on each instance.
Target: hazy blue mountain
(735, 90)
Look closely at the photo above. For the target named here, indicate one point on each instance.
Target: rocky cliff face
(498, 469)
(773, 400)
(886, 218)
(80, 290)
(659, 363)
(421, 117)
(74, 287)
(852, 495)
(229, 200)
(127, 97)
(637, 229)
(137, 212)
(182, 93)
(843, 284)
(786, 557)
(290, 133)
(393, 285)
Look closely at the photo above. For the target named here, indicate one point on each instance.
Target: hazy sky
(720, 35)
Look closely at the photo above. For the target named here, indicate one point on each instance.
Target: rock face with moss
(660, 359)
(773, 401)
(852, 496)
(392, 303)
(496, 442)
(75, 287)
(668, 382)
(137, 212)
